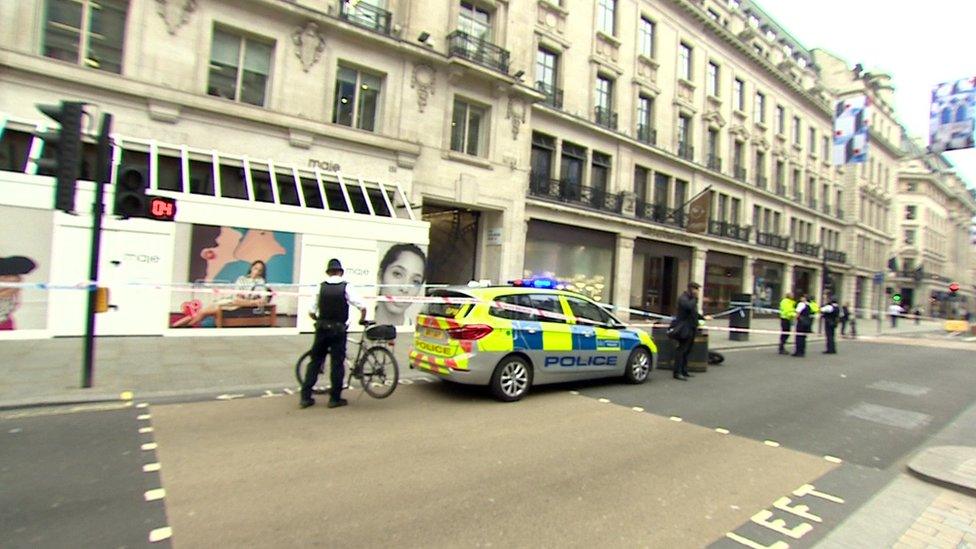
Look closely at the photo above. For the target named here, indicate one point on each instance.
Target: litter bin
(698, 358)
(742, 318)
(665, 347)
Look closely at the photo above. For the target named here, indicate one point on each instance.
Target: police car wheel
(638, 366)
(511, 379)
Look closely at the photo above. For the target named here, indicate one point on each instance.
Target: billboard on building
(25, 258)
(851, 116)
(951, 115)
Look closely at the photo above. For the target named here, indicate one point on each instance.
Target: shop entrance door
(453, 244)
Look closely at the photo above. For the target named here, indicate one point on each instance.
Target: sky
(920, 44)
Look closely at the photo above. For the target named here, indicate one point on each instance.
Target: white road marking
(15, 430)
(721, 431)
(808, 490)
(749, 543)
(142, 405)
(60, 410)
(779, 525)
(160, 534)
(289, 391)
(772, 443)
(151, 467)
(603, 400)
(144, 417)
(676, 418)
(406, 382)
(144, 430)
(156, 494)
(800, 510)
(637, 409)
(148, 446)
(833, 459)
(574, 392)
(230, 397)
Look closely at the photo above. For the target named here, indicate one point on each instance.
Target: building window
(796, 130)
(86, 32)
(739, 93)
(759, 115)
(604, 93)
(812, 140)
(356, 99)
(911, 212)
(239, 67)
(713, 160)
(645, 118)
(684, 61)
(912, 186)
(469, 128)
(646, 37)
(640, 183)
(546, 67)
(824, 147)
(475, 21)
(599, 174)
(606, 16)
(684, 135)
(713, 79)
(780, 120)
(910, 237)
(571, 164)
(761, 168)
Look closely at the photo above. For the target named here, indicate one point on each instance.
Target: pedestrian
(830, 314)
(804, 325)
(331, 315)
(787, 312)
(685, 329)
(894, 311)
(918, 316)
(845, 316)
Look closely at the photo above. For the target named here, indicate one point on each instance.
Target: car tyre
(511, 379)
(639, 366)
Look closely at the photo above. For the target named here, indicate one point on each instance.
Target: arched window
(961, 113)
(946, 115)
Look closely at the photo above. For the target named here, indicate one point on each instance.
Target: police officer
(830, 314)
(331, 313)
(804, 325)
(787, 312)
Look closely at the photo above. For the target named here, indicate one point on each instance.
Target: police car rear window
(545, 302)
(446, 310)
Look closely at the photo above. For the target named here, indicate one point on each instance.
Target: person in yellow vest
(787, 312)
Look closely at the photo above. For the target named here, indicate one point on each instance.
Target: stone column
(787, 279)
(748, 274)
(698, 257)
(623, 266)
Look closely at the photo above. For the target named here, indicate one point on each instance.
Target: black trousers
(801, 344)
(843, 327)
(785, 325)
(331, 341)
(830, 329)
(681, 353)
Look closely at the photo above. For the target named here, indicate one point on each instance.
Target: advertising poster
(851, 118)
(25, 257)
(951, 115)
(401, 272)
(244, 267)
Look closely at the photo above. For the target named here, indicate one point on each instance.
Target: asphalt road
(770, 449)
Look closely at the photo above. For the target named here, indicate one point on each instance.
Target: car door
(549, 336)
(596, 338)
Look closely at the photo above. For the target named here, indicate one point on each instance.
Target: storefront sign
(494, 237)
(324, 165)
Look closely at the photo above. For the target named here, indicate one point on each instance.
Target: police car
(513, 337)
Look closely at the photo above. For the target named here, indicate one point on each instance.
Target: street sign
(878, 278)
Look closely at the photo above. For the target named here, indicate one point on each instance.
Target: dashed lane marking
(676, 418)
(144, 417)
(637, 409)
(149, 446)
(142, 405)
(144, 430)
(160, 534)
(603, 400)
(574, 392)
(833, 459)
(721, 431)
(772, 443)
(156, 494)
(151, 467)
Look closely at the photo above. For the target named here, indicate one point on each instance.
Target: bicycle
(374, 366)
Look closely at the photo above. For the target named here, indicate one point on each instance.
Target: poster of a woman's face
(402, 273)
(24, 258)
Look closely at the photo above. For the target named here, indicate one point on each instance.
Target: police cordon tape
(230, 288)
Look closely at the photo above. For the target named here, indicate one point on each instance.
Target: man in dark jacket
(331, 314)
(804, 325)
(830, 314)
(686, 327)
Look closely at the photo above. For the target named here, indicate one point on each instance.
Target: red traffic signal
(954, 287)
(161, 208)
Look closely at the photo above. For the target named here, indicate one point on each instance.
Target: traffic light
(896, 298)
(63, 148)
(130, 192)
(953, 288)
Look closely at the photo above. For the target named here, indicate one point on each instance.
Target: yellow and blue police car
(513, 337)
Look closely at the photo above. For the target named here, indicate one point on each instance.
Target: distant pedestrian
(804, 325)
(845, 317)
(894, 311)
(831, 315)
(787, 312)
(686, 327)
(918, 316)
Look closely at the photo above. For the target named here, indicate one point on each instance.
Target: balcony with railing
(773, 240)
(825, 208)
(729, 230)
(761, 182)
(806, 248)
(574, 193)
(840, 213)
(739, 172)
(797, 197)
(647, 134)
(686, 151)
(365, 15)
(714, 163)
(659, 214)
(554, 95)
(835, 255)
(812, 203)
(781, 189)
(476, 50)
(605, 117)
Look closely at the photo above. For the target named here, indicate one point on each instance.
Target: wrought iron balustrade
(761, 182)
(714, 163)
(806, 248)
(729, 230)
(686, 151)
(482, 52)
(605, 117)
(366, 16)
(660, 214)
(835, 256)
(554, 95)
(840, 213)
(739, 172)
(825, 208)
(573, 193)
(812, 203)
(781, 189)
(647, 134)
(773, 240)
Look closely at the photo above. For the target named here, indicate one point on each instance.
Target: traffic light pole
(102, 176)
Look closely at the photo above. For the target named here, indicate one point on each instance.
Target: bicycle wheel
(300, 368)
(380, 372)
